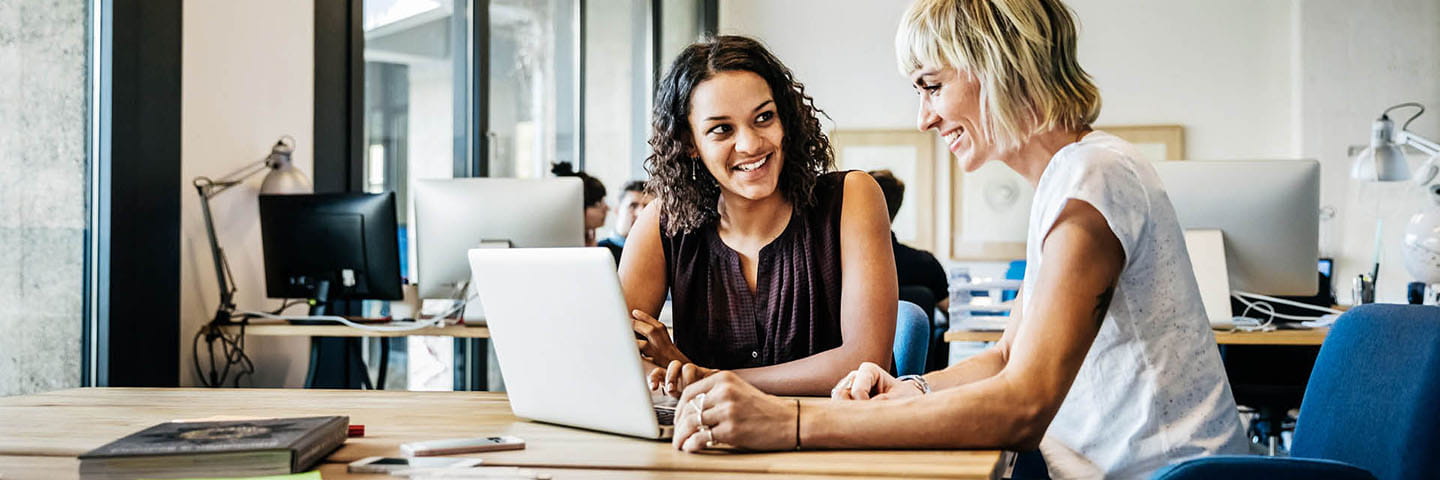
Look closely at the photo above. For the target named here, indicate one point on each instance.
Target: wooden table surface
(1312, 337)
(66, 423)
(68, 468)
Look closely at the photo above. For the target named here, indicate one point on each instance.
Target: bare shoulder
(861, 185)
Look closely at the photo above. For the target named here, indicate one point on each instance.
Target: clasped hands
(719, 409)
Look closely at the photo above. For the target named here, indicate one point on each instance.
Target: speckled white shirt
(1152, 390)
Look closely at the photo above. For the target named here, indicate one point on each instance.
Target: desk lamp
(283, 178)
(1384, 161)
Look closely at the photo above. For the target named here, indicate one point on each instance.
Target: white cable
(419, 325)
(1241, 297)
(1286, 302)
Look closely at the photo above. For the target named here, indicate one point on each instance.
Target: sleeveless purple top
(794, 311)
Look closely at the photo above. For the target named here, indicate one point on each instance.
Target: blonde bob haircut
(1022, 53)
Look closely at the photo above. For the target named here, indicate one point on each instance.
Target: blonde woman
(1109, 366)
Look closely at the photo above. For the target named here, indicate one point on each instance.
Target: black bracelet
(797, 424)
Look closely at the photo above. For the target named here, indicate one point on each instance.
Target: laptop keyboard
(665, 414)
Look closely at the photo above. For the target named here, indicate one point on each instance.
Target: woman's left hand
(724, 410)
(655, 344)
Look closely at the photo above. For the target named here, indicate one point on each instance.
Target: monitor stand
(319, 305)
(474, 312)
(1212, 275)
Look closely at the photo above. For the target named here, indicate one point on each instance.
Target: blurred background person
(632, 201)
(595, 206)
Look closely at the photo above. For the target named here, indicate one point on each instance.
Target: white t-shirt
(1152, 390)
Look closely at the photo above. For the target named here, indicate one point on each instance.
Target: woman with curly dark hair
(779, 269)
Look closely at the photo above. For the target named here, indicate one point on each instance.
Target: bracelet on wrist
(919, 382)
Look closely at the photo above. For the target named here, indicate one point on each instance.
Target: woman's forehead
(728, 94)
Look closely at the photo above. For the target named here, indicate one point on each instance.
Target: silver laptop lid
(562, 334)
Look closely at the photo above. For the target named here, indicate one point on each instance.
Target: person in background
(1107, 366)
(780, 269)
(632, 201)
(595, 206)
(922, 279)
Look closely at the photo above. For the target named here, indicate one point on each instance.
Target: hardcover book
(232, 448)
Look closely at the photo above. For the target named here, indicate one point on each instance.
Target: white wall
(1359, 58)
(1248, 80)
(247, 73)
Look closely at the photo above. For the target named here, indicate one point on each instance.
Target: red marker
(357, 431)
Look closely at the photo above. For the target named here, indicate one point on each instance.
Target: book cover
(307, 439)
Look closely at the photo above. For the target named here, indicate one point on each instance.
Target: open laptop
(563, 336)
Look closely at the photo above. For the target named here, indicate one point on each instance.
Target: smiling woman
(746, 233)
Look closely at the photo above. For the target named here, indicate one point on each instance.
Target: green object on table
(310, 475)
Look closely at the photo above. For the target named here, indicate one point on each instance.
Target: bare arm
(642, 265)
(1038, 360)
(868, 300)
(643, 280)
(983, 365)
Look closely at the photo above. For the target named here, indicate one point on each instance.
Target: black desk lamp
(283, 178)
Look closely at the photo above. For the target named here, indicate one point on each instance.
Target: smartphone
(392, 464)
(461, 445)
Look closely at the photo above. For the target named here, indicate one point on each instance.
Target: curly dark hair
(688, 194)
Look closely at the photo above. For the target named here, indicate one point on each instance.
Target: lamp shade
(1383, 160)
(285, 180)
(283, 177)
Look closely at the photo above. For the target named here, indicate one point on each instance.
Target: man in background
(633, 200)
(916, 269)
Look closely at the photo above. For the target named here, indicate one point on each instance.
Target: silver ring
(698, 403)
(710, 438)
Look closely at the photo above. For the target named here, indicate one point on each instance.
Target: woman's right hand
(872, 382)
(673, 379)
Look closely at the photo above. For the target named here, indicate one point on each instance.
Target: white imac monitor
(455, 215)
(1268, 212)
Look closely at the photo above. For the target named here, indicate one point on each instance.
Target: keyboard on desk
(665, 414)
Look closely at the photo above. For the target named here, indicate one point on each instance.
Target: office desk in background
(42, 434)
(1313, 337)
(281, 329)
(472, 375)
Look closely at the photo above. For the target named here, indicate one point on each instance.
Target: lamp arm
(211, 187)
(1428, 146)
(227, 292)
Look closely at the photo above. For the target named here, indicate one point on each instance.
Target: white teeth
(750, 167)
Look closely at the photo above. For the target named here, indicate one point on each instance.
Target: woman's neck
(761, 220)
(1036, 152)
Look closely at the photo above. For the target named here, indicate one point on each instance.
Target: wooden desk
(1312, 337)
(288, 330)
(67, 423)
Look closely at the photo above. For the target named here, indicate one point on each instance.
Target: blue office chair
(912, 339)
(1371, 405)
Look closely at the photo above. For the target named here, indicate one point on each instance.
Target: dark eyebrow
(724, 117)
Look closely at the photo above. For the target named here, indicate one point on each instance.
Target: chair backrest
(1374, 396)
(912, 339)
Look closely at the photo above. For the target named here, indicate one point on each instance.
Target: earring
(694, 165)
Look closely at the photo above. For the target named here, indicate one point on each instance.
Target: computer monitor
(1267, 212)
(455, 215)
(330, 246)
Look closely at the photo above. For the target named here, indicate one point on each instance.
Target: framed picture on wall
(1156, 142)
(991, 206)
(989, 213)
(910, 156)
